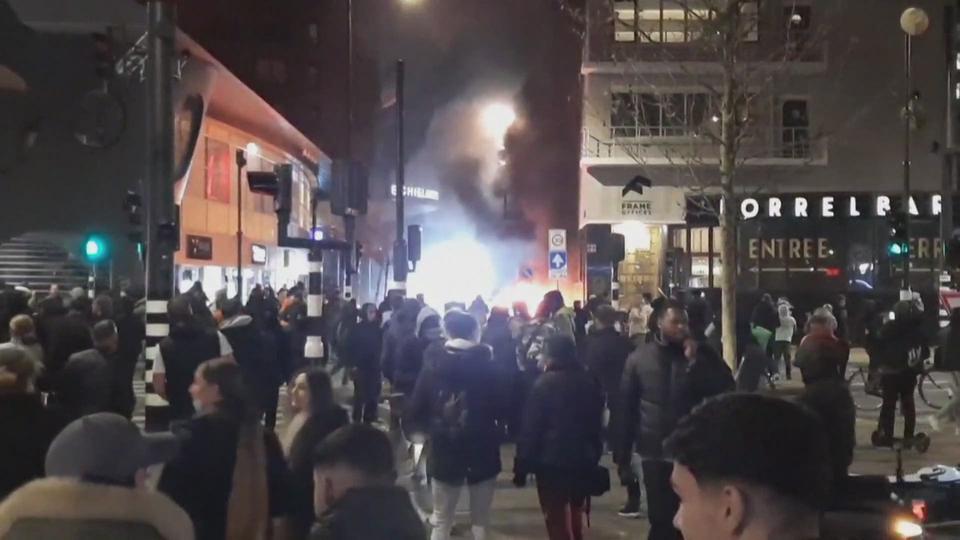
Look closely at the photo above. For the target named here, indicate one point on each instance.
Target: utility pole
(400, 246)
(349, 220)
(241, 163)
(162, 231)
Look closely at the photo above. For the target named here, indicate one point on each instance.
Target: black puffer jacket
(562, 425)
(660, 386)
(350, 517)
(606, 355)
(457, 402)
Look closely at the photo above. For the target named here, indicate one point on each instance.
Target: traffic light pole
(313, 350)
(161, 16)
(349, 221)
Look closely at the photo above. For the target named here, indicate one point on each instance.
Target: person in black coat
(499, 338)
(765, 314)
(27, 425)
(903, 349)
(63, 334)
(561, 439)
(605, 354)
(457, 403)
(362, 356)
(662, 382)
(357, 496)
(222, 451)
(131, 332)
(250, 351)
(190, 343)
(318, 417)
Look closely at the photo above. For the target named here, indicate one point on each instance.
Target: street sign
(558, 264)
(557, 249)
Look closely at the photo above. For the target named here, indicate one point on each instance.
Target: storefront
(642, 214)
(824, 243)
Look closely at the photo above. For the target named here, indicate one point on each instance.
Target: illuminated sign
(416, 192)
(258, 254)
(199, 247)
(829, 206)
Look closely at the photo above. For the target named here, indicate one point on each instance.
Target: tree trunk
(729, 132)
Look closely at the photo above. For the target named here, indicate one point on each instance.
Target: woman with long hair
(229, 475)
(316, 416)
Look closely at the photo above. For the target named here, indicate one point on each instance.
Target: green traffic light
(95, 248)
(895, 249)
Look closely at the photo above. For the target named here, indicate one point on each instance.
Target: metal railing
(793, 143)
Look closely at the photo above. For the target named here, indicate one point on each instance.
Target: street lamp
(496, 119)
(914, 22)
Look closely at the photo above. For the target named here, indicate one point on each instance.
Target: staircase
(38, 263)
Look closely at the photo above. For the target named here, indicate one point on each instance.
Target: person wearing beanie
(95, 487)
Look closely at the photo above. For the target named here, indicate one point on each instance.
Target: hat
(106, 446)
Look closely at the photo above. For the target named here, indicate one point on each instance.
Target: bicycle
(926, 387)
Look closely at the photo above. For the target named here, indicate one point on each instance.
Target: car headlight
(905, 528)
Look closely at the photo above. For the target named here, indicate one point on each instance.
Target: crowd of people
(567, 385)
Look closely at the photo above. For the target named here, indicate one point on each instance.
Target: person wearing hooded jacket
(457, 403)
(190, 343)
(561, 439)
(409, 360)
(903, 347)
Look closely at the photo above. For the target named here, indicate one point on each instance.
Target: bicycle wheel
(857, 382)
(933, 393)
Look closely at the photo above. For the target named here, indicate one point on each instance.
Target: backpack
(452, 413)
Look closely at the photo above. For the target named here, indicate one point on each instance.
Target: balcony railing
(659, 144)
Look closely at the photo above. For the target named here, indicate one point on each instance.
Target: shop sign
(258, 254)
(836, 205)
(416, 192)
(199, 247)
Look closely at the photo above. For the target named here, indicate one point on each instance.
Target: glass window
(750, 20)
(649, 24)
(658, 115)
(625, 22)
(623, 114)
(217, 171)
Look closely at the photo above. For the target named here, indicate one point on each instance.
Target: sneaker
(630, 510)
(934, 422)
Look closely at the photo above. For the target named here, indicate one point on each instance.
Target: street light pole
(161, 15)
(907, 118)
(914, 22)
(400, 246)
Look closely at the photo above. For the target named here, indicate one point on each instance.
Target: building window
(673, 21)
(676, 114)
(660, 21)
(217, 172)
(795, 122)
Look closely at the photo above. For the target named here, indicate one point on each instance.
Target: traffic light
(95, 248)
(349, 189)
(898, 244)
(277, 184)
(103, 55)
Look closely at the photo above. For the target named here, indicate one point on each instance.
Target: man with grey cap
(96, 471)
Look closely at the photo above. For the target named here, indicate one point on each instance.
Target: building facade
(76, 121)
(822, 116)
